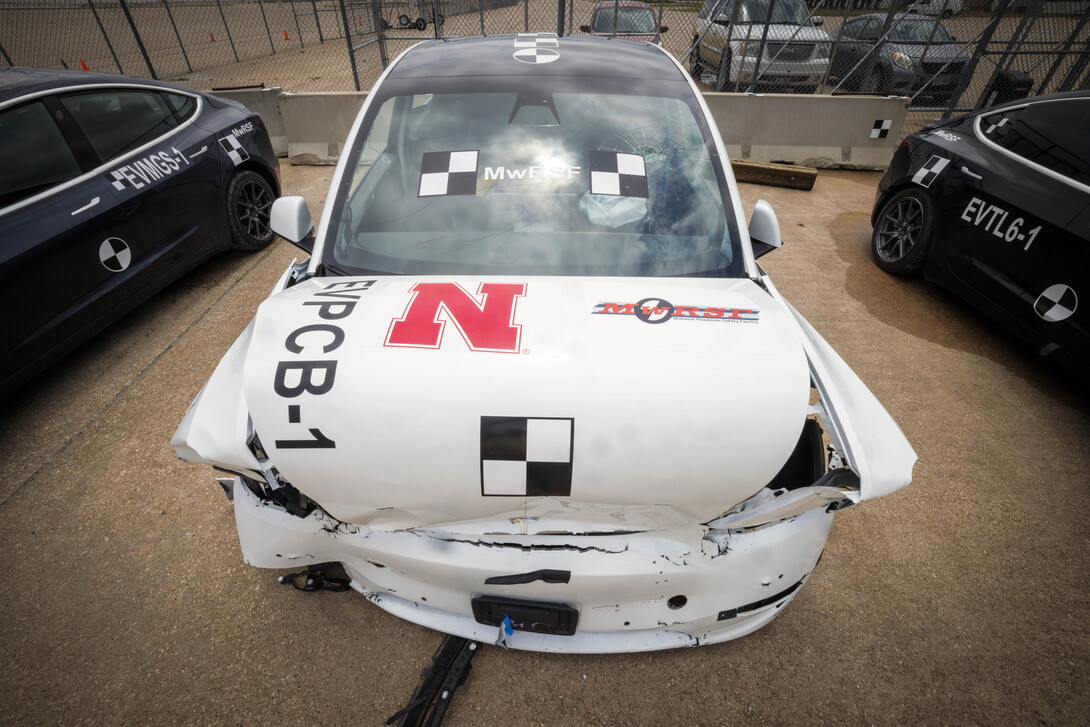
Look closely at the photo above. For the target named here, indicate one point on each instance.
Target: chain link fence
(948, 56)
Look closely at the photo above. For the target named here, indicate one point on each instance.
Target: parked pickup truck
(728, 37)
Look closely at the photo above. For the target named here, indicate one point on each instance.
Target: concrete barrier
(859, 132)
(264, 101)
(813, 130)
(317, 124)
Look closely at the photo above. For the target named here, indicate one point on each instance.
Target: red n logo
(486, 322)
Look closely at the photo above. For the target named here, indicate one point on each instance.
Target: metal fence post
(380, 30)
(298, 30)
(104, 36)
(480, 10)
(560, 7)
(760, 48)
(262, 7)
(864, 77)
(918, 68)
(525, 16)
(176, 35)
(139, 41)
(348, 41)
(227, 28)
(978, 53)
(1063, 52)
(1079, 66)
(836, 45)
(317, 22)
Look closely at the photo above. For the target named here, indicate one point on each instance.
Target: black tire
(903, 231)
(874, 81)
(421, 24)
(722, 77)
(403, 20)
(249, 202)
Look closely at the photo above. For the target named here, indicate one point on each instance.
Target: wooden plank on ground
(775, 175)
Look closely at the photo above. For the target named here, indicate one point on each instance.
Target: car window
(533, 183)
(1052, 134)
(183, 106)
(919, 31)
(791, 12)
(116, 121)
(869, 30)
(34, 155)
(629, 20)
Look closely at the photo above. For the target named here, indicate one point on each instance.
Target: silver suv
(795, 56)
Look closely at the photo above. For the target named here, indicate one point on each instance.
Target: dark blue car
(111, 188)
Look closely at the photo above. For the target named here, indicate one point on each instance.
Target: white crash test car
(532, 369)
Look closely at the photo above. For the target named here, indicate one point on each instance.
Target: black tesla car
(995, 206)
(110, 188)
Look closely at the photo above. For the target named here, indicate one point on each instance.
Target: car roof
(16, 82)
(898, 16)
(493, 56)
(622, 4)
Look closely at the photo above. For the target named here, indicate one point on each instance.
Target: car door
(164, 171)
(51, 232)
(1006, 211)
(848, 48)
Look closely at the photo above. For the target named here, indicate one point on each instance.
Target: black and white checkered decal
(447, 173)
(536, 47)
(1001, 123)
(114, 254)
(119, 180)
(234, 149)
(1057, 303)
(618, 174)
(928, 172)
(881, 128)
(526, 456)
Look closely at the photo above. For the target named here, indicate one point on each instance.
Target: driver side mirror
(584, 28)
(764, 229)
(817, 20)
(290, 218)
(664, 28)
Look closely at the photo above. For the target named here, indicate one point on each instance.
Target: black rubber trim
(732, 612)
(549, 576)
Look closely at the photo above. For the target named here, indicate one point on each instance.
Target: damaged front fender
(870, 442)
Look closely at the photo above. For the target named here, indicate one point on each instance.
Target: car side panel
(168, 205)
(994, 245)
(53, 280)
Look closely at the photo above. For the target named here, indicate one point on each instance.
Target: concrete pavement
(962, 599)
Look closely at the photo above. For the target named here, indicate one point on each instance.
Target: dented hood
(447, 399)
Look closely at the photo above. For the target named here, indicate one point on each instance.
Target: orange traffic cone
(83, 65)
(211, 36)
(286, 35)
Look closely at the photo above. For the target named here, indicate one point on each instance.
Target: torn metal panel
(622, 585)
(863, 431)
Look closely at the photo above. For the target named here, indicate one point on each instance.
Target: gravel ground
(962, 599)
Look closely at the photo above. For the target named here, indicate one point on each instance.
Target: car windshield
(919, 31)
(787, 12)
(629, 20)
(534, 177)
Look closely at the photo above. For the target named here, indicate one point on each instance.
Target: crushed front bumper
(636, 591)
